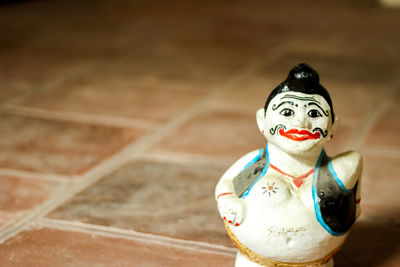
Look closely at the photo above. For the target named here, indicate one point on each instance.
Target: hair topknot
(304, 79)
(304, 72)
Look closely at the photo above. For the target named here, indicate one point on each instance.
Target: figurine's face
(297, 122)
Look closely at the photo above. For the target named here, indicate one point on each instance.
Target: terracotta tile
(26, 73)
(251, 93)
(339, 68)
(53, 44)
(58, 147)
(220, 134)
(380, 23)
(19, 196)
(43, 47)
(46, 29)
(45, 247)
(380, 185)
(353, 102)
(223, 42)
(385, 132)
(371, 243)
(231, 26)
(146, 97)
(165, 199)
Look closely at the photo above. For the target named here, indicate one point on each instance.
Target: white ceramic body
(283, 226)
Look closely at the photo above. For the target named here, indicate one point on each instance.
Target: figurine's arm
(348, 167)
(230, 207)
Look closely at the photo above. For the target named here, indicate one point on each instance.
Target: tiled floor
(117, 119)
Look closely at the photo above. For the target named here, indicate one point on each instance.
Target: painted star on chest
(270, 188)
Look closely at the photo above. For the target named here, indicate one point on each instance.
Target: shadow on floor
(370, 243)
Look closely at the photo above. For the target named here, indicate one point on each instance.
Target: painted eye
(314, 113)
(287, 112)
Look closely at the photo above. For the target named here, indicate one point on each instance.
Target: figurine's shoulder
(241, 163)
(347, 166)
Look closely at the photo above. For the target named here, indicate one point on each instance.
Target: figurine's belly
(281, 226)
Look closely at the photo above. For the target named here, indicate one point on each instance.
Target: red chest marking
(298, 181)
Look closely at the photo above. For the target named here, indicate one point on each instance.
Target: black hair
(304, 79)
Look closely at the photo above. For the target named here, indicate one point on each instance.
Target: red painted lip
(297, 135)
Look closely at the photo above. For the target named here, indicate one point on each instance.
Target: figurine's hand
(232, 209)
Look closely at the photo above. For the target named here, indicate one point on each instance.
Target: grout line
(184, 158)
(21, 224)
(382, 152)
(365, 126)
(78, 117)
(78, 70)
(218, 106)
(129, 234)
(255, 68)
(49, 177)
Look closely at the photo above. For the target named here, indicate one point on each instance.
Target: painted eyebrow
(300, 98)
(315, 104)
(274, 107)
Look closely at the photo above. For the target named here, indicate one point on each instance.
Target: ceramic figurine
(290, 204)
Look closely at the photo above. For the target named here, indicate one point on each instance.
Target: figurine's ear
(261, 119)
(335, 125)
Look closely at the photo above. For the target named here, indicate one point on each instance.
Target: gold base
(254, 257)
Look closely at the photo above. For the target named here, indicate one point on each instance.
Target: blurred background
(117, 119)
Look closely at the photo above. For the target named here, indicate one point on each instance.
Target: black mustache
(279, 126)
(324, 134)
